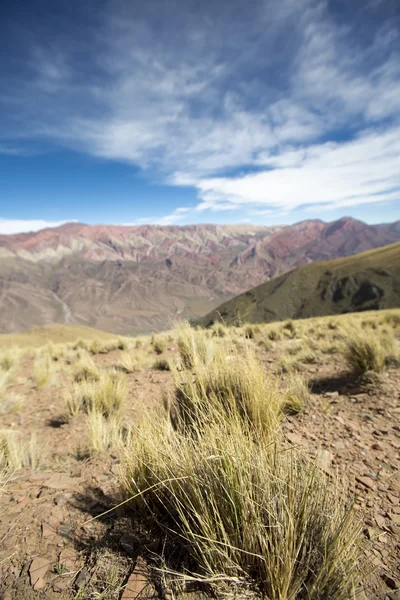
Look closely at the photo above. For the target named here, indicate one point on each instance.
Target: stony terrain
(141, 279)
(58, 541)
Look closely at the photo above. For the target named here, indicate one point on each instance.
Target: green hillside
(367, 281)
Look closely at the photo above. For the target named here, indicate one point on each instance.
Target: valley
(129, 280)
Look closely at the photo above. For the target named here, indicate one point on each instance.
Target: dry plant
(9, 359)
(86, 370)
(234, 382)
(159, 344)
(43, 369)
(246, 513)
(367, 350)
(161, 364)
(16, 452)
(296, 393)
(106, 433)
(194, 347)
(10, 403)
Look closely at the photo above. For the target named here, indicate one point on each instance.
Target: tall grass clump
(43, 369)
(194, 347)
(105, 396)
(366, 350)
(106, 434)
(234, 382)
(86, 370)
(9, 360)
(296, 393)
(246, 513)
(159, 344)
(16, 452)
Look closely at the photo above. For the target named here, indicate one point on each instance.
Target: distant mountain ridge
(129, 279)
(366, 281)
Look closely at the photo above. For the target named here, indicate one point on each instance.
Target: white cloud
(10, 226)
(329, 175)
(274, 89)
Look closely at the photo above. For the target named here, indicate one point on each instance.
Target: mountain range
(366, 281)
(131, 279)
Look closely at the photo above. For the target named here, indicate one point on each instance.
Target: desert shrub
(296, 393)
(159, 345)
(17, 452)
(233, 382)
(218, 330)
(86, 370)
(8, 360)
(81, 344)
(368, 351)
(392, 319)
(243, 512)
(122, 344)
(289, 328)
(43, 369)
(161, 364)
(10, 403)
(194, 347)
(106, 433)
(105, 396)
(274, 335)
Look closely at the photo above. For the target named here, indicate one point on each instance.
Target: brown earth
(139, 279)
(53, 547)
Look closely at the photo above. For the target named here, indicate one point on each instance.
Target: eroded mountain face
(131, 279)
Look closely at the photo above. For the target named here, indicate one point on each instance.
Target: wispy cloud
(10, 226)
(268, 105)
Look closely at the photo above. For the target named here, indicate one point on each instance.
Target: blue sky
(180, 111)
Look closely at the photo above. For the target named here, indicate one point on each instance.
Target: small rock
(59, 481)
(127, 542)
(380, 521)
(393, 596)
(37, 571)
(390, 582)
(367, 482)
(47, 530)
(64, 529)
(395, 529)
(137, 581)
(324, 460)
(82, 579)
(61, 584)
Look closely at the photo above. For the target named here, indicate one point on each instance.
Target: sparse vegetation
(368, 351)
(86, 370)
(43, 369)
(17, 452)
(159, 344)
(226, 497)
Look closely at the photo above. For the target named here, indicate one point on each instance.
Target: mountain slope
(137, 279)
(367, 281)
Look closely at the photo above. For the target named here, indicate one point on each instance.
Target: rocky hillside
(367, 281)
(131, 279)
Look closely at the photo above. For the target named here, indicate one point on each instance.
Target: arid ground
(63, 535)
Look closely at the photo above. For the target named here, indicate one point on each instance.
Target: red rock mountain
(131, 279)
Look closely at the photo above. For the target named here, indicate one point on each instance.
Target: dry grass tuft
(43, 369)
(296, 393)
(244, 512)
(17, 452)
(194, 347)
(106, 433)
(367, 350)
(86, 370)
(159, 344)
(234, 382)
